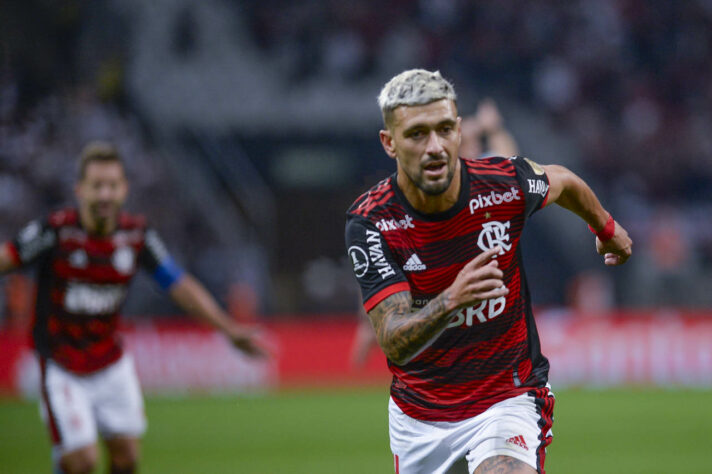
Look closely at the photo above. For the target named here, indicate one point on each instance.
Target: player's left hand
(618, 249)
(245, 340)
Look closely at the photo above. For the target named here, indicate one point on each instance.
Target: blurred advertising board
(662, 349)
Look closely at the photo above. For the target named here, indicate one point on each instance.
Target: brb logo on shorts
(494, 233)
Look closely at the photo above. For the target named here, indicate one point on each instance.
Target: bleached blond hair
(413, 87)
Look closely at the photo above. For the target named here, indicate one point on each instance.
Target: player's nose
(105, 193)
(434, 145)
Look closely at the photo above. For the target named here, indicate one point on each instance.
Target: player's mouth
(104, 209)
(435, 169)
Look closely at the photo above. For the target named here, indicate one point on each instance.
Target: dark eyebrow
(423, 125)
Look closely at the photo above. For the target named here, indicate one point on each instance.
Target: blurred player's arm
(195, 300)
(364, 340)
(191, 295)
(499, 140)
(8, 261)
(33, 241)
(571, 192)
(484, 134)
(402, 333)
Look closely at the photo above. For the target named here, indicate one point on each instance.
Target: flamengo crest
(494, 233)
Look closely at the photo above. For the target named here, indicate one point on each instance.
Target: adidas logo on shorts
(414, 264)
(518, 441)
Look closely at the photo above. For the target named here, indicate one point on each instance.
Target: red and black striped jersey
(82, 283)
(490, 351)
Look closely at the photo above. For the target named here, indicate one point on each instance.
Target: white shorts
(77, 407)
(519, 427)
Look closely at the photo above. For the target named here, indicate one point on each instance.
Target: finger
(484, 258)
(254, 350)
(474, 279)
(485, 272)
(496, 293)
(484, 286)
(614, 259)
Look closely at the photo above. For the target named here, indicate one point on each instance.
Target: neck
(96, 226)
(428, 203)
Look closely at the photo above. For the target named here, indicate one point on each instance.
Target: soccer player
(435, 248)
(482, 134)
(87, 257)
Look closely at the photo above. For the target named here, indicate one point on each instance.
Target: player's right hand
(618, 249)
(480, 279)
(245, 340)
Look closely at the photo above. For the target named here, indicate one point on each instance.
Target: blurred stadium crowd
(619, 91)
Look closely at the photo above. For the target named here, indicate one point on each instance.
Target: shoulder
(129, 221)
(378, 196)
(491, 165)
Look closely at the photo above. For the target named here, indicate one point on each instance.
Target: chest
(431, 252)
(104, 260)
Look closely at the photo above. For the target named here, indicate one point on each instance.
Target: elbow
(398, 360)
(397, 355)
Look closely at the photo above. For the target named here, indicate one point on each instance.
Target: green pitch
(345, 431)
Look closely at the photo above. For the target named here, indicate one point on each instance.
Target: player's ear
(458, 126)
(387, 142)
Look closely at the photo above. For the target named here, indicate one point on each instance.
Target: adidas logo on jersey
(414, 264)
(518, 441)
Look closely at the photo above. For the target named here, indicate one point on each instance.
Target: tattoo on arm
(402, 332)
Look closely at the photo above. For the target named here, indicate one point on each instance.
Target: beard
(433, 188)
(104, 214)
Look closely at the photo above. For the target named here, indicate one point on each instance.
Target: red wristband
(608, 230)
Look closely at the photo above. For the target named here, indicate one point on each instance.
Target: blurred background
(248, 128)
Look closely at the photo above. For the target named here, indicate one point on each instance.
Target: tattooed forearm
(401, 331)
(503, 465)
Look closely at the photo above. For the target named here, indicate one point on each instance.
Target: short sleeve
(154, 257)
(534, 183)
(32, 242)
(376, 271)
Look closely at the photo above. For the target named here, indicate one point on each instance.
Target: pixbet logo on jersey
(384, 225)
(493, 199)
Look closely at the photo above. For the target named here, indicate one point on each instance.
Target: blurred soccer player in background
(87, 257)
(435, 249)
(484, 134)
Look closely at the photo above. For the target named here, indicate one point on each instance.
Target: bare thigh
(504, 465)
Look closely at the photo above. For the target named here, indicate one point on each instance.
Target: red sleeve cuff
(373, 301)
(14, 254)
